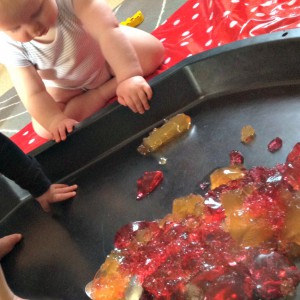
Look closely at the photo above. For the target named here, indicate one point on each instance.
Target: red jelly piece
(148, 183)
(275, 145)
(236, 158)
(232, 285)
(294, 154)
(292, 172)
(274, 275)
(127, 234)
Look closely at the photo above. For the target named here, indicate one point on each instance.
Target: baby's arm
(27, 173)
(99, 20)
(39, 103)
(56, 193)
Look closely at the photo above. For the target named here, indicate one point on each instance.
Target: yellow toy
(135, 20)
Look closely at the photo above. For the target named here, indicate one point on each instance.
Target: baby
(67, 58)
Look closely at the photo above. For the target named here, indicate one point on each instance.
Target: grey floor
(13, 115)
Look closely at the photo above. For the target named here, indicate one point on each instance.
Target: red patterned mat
(198, 26)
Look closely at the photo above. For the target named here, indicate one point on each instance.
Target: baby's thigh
(63, 95)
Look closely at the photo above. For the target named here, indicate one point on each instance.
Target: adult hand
(8, 242)
(135, 93)
(57, 192)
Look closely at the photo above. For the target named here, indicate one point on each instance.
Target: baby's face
(24, 20)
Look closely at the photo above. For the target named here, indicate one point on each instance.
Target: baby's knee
(149, 49)
(40, 130)
(152, 57)
(161, 53)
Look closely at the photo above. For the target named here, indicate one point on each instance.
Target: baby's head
(23, 20)
(8, 8)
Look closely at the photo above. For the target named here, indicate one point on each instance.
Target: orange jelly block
(291, 230)
(246, 230)
(232, 201)
(109, 282)
(224, 175)
(166, 133)
(188, 205)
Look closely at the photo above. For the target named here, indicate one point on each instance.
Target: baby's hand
(135, 93)
(56, 193)
(60, 126)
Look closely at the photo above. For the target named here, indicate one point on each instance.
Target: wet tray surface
(252, 82)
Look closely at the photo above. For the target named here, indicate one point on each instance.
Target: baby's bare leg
(80, 105)
(91, 101)
(150, 53)
(149, 49)
(76, 104)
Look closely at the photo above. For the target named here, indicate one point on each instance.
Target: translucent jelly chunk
(173, 128)
(232, 201)
(292, 172)
(274, 276)
(275, 145)
(247, 134)
(188, 205)
(147, 183)
(247, 230)
(224, 175)
(230, 286)
(253, 215)
(109, 282)
(134, 290)
(291, 230)
(140, 232)
(236, 158)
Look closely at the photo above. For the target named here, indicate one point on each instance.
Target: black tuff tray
(254, 81)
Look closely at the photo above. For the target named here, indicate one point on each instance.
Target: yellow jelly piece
(242, 226)
(291, 231)
(188, 205)
(166, 219)
(143, 236)
(232, 201)
(109, 283)
(247, 134)
(164, 134)
(225, 175)
(246, 230)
